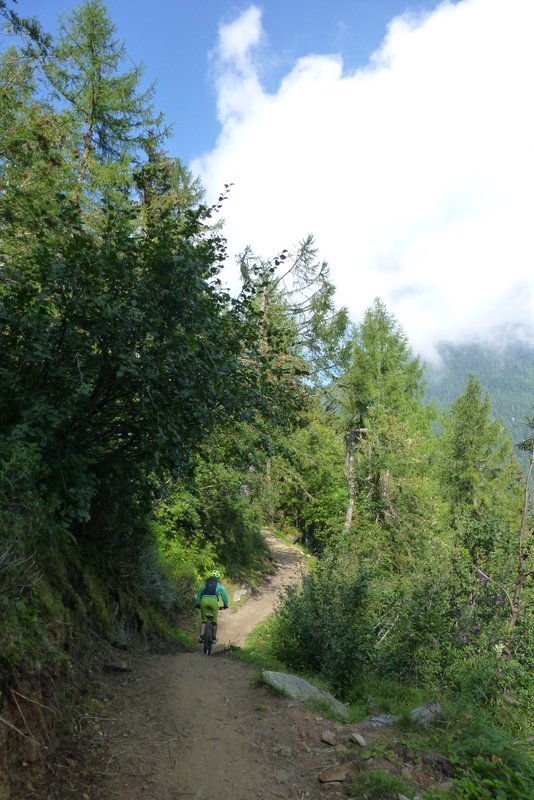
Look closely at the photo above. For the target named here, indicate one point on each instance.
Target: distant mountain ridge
(505, 371)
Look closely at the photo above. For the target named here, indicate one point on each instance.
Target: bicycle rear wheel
(208, 637)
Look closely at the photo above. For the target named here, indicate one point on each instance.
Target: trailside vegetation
(428, 579)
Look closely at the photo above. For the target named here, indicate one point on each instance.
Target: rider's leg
(203, 614)
(214, 608)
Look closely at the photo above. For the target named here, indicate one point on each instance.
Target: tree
(311, 491)
(299, 335)
(111, 118)
(120, 347)
(478, 468)
(523, 575)
(26, 27)
(383, 420)
(295, 300)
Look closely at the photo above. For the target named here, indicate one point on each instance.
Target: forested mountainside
(505, 371)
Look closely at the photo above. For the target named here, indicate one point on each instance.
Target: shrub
(323, 626)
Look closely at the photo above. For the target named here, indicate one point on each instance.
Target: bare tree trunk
(351, 438)
(349, 472)
(269, 484)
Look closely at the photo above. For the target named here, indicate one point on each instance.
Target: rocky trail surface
(184, 726)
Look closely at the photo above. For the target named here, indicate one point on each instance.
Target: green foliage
(505, 371)
(150, 425)
(377, 784)
(388, 437)
(85, 71)
(114, 354)
(492, 766)
(311, 493)
(121, 350)
(19, 619)
(187, 558)
(297, 313)
(423, 581)
(440, 627)
(212, 516)
(477, 458)
(322, 626)
(257, 648)
(29, 28)
(382, 371)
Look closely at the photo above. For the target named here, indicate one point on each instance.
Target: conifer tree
(110, 115)
(384, 423)
(477, 464)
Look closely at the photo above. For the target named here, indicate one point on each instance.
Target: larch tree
(478, 467)
(385, 425)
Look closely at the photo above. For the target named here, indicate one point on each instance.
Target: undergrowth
(489, 763)
(377, 785)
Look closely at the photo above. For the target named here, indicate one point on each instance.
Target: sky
(399, 134)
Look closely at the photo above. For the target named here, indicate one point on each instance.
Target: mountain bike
(208, 633)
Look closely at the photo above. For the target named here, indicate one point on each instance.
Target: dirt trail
(188, 726)
(234, 628)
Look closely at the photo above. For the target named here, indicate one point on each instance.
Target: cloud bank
(415, 174)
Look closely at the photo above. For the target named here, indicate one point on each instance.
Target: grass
(256, 649)
(381, 747)
(378, 785)
(324, 709)
(240, 586)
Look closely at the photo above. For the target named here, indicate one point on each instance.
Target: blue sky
(174, 39)
(399, 135)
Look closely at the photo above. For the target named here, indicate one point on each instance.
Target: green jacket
(220, 593)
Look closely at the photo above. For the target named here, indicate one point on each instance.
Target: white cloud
(415, 174)
(238, 87)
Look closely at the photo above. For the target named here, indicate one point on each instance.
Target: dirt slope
(189, 726)
(234, 628)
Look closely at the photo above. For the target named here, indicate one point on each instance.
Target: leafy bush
(323, 625)
(436, 625)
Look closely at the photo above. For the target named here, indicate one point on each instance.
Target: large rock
(427, 714)
(302, 690)
(329, 737)
(335, 774)
(385, 719)
(422, 715)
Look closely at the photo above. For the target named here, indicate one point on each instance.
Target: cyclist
(208, 600)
